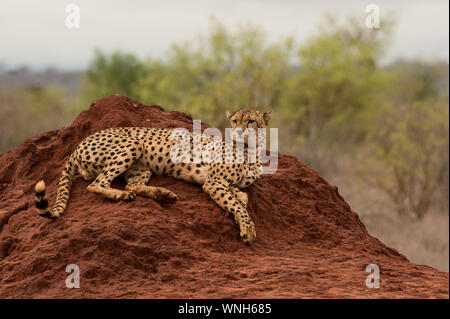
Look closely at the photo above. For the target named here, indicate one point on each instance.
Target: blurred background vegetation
(379, 131)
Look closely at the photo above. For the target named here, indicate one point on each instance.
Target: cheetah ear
(266, 116)
(229, 114)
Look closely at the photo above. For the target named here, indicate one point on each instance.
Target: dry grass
(422, 242)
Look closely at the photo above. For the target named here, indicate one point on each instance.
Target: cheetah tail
(63, 193)
(40, 200)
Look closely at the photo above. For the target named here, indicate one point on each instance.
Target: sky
(34, 33)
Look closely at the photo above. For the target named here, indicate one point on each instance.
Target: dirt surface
(310, 244)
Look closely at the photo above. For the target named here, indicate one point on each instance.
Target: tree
(406, 151)
(407, 155)
(339, 80)
(224, 71)
(116, 73)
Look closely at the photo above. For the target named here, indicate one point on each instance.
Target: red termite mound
(310, 244)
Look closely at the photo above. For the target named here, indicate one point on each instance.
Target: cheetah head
(244, 119)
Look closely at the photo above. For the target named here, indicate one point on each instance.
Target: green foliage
(339, 81)
(224, 71)
(112, 74)
(417, 81)
(406, 152)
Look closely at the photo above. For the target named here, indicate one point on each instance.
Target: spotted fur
(137, 153)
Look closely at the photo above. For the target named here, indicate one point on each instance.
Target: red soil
(310, 244)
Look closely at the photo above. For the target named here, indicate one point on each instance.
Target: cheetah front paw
(166, 197)
(125, 196)
(248, 233)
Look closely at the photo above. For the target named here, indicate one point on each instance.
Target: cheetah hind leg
(137, 177)
(119, 164)
(88, 170)
(99, 187)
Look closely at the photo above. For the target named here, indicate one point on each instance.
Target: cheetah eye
(251, 121)
(234, 121)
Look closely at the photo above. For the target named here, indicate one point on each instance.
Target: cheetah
(137, 153)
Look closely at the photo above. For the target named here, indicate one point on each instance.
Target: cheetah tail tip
(40, 199)
(40, 187)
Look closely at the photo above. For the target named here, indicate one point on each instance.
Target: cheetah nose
(239, 132)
